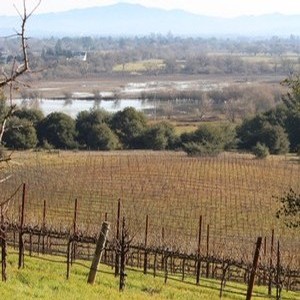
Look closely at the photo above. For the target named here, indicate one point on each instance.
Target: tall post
(22, 218)
(198, 270)
(98, 252)
(123, 250)
(74, 244)
(75, 217)
(3, 246)
(207, 251)
(278, 287)
(271, 264)
(264, 260)
(105, 250)
(68, 258)
(145, 245)
(44, 226)
(117, 260)
(254, 267)
(163, 246)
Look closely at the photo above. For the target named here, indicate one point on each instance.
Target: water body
(74, 106)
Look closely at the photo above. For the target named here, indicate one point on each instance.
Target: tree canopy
(20, 134)
(87, 124)
(129, 124)
(289, 210)
(58, 129)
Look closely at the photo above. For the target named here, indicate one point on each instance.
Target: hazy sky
(225, 8)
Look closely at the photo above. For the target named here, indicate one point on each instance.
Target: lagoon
(73, 106)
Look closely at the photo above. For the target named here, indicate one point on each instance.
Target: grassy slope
(41, 279)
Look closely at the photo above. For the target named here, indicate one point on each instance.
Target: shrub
(260, 130)
(101, 137)
(129, 125)
(290, 209)
(85, 123)
(59, 130)
(20, 134)
(201, 149)
(161, 136)
(260, 151)
(208, 140)
(33, 115)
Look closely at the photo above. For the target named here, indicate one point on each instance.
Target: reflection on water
(73, 106)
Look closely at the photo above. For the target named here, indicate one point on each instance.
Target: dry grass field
(233, 193)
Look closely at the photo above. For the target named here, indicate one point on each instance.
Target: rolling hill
(131, 19)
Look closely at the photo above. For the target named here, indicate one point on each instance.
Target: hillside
(132, 19)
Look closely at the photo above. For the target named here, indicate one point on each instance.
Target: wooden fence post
(264, 261)
(163, 247)
(117, 258)
(21, 243)
(207, 251)
(44, 227)
(3, 247)
(98, 252)
(68, 258)
(254, 267)
(278, 283)
(271, 264)
(74, 243)
(198, 267)
(145, 252)
(105, 250)
(123, 248)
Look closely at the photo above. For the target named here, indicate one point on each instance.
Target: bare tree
(17, 69)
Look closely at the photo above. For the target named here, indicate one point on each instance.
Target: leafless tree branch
(17, 71)
(24, 67)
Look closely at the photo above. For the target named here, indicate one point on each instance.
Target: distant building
(82, 55)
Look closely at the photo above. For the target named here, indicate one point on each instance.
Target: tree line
(177, 54)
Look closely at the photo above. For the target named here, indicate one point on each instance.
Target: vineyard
(175, 206)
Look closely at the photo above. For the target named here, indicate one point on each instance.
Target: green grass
(140, 66)
(45, 279)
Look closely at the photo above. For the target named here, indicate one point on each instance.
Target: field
(140, 66)
(44, 278)
(233, 193)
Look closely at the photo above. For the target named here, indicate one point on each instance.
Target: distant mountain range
(131, 19)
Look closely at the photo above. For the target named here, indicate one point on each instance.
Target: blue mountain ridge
(125, 19)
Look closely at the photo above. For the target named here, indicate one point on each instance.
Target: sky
(223, 8)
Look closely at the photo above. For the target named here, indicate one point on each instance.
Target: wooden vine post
(98, 252)
(117, 259)
(254, 267)
(278, 280)
(146, 242)
(22, 219)
(123, 249)
(198, 267)
(43, 228)
(3, 247)
(207, 251)
(271, 264)
(75, 233)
